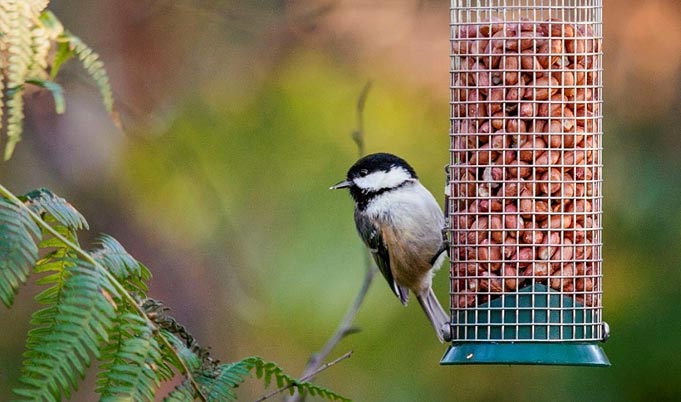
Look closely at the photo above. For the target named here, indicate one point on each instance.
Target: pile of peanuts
(525, 180)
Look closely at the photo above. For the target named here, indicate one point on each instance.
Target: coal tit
(401, 223)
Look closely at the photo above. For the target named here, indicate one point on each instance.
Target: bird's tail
(436, 314)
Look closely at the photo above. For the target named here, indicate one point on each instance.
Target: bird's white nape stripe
(379, 180)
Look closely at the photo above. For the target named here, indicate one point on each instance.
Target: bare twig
(305, 378)
(346, 326)
(358, 133)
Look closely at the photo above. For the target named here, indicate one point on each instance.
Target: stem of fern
(87, 257)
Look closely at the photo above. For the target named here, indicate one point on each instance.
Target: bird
(401, 223)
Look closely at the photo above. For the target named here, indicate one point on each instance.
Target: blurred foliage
(239, 117)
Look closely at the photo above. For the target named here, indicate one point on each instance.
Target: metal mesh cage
(524, 199)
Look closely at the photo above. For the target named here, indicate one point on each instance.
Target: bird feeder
(524, 195)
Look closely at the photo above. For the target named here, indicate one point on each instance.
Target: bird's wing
(373, 238)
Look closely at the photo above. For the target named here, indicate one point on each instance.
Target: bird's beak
(343, 184)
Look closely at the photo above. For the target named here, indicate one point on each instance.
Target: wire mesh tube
(524, 198)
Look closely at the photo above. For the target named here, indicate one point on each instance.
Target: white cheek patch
(379, 180)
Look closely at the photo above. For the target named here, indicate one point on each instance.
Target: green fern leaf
(18, 249)
(216, 381)
(55, 89)
(27, 34)
(191, 359)
(43, 201)
(184, 392)
(269, 369)
(67, 333)
(61, 55)
(4, 27)
(93, 65)
(37, 5)
(54, 30)
(129, 362)
(40, 48)
(217, 385)
(15, 110)
(132, 274)
(17, 38)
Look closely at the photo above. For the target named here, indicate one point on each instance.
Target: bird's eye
(363, 172)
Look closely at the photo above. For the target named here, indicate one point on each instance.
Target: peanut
(489, 255)
(464, 299)
(562, 276)
(532, 236)
(525, 256)
(531, 148)
(516, 126)
(550, 181)
(508, 70)
(541, 89)
(510, 277)
(512, 221)
(519, 169)
(529, 62)
(549, 246)
(478, 230)
(494, 25)
(496, 228)
(537, 269)
(526, 109)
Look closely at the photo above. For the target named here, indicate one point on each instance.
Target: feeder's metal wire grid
(524, 193)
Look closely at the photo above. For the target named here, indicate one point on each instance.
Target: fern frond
(43, 201)
(4, 27)
(15, 111)
(267, 370)
(216, 381)
(93, 309)
(27, 34)
(93, 65)
(55, 90)
(67, 334)
(219, 384)
(20, 20)
(40, 46)
(130, 362)
(37, 6)
(44, 33)
(180, 350)
(54, 30)
(216, 385)
(129, 272)
(18, 249)
(184, 392)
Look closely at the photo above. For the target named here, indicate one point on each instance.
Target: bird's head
(376, 173)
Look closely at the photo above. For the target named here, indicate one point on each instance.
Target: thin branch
(305, 378)
(345, 327)
(87, 257)
(358, 134)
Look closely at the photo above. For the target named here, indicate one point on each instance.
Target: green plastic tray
(535, 326)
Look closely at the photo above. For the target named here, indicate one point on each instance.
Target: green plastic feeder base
(534, 326)
(563, 354)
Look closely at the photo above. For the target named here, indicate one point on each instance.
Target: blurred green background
(238, 117)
